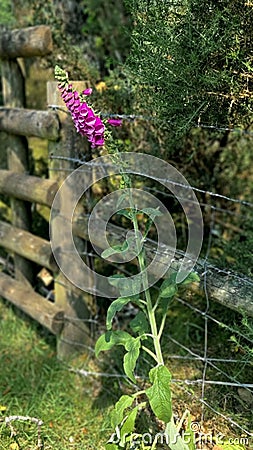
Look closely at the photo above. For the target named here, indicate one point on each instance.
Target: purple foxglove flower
(70, 103)
(84, 118)
(98, 140)
(89, 131)
(83, 109)
(87, 91)
(99, 129)
(90, 121)
(69, 96)
(115, 122)
(99, 126)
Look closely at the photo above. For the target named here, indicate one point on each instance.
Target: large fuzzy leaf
(159, 394)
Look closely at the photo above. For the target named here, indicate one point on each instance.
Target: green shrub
(192, 60)
(6, 13)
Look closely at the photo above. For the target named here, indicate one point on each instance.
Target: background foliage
(193, 60)
(177, 63)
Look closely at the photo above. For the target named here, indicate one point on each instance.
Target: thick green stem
(150, 310)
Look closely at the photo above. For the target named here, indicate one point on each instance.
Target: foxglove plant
(86, 122)
(148, 325)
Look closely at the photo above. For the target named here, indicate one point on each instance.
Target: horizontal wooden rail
(26, 122)
(27, 245)
(26, 42)
(224, 289)
(231, 291)
(27, 187)
(33, 304)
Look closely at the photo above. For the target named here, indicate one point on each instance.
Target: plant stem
(162, 325)
(151, 316)
(142, 266)
(149, 352)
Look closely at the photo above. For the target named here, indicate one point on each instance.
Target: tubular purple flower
(83, 110)
(115, 122)
(98, 141)
(87, 91)
(99, 126)
(84, 118)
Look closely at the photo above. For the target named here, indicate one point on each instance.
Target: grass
(34, 383)
(75, 410)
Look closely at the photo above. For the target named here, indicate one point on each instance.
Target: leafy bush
(192, 60)
(107, 27)
(6, 13)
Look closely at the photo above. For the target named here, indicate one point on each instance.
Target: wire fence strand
(213, 368)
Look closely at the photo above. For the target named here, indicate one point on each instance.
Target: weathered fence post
(34, 41)
(17, 157)
(77, 305)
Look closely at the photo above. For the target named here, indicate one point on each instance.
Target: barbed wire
(131, 117)
(86, 166)
(212, 368)
(218, 413)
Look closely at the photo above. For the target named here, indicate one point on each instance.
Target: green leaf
(191, 278)
(164, 304)
(140, 324)
(171, 280)
(148, 225)
(152, 212)
(128, 425)
(115, 280)
(176, 442)
(111, 251)
(131, 344)
(111, 447)
(128, 213)
(117, 414)
(124, 246)
(120, 248)
(190, 434)
(122, 197)
(111, 338)
(130, 358)
(168, 289)
(159, 394)
(126, 286)
(115, 307)
(168, 292)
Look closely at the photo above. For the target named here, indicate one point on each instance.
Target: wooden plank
(76, 334)
(27, 245)
(54, 95)
(26, 42)
(13, 84)
(225, 289)
(25, 122)
(31, 303)
(27, 187)
(229, 290)
(18, 157)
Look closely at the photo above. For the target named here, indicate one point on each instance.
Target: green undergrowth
(34, 383)
(75, 409)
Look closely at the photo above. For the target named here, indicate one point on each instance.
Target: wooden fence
(23, 189)
(31, 251)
